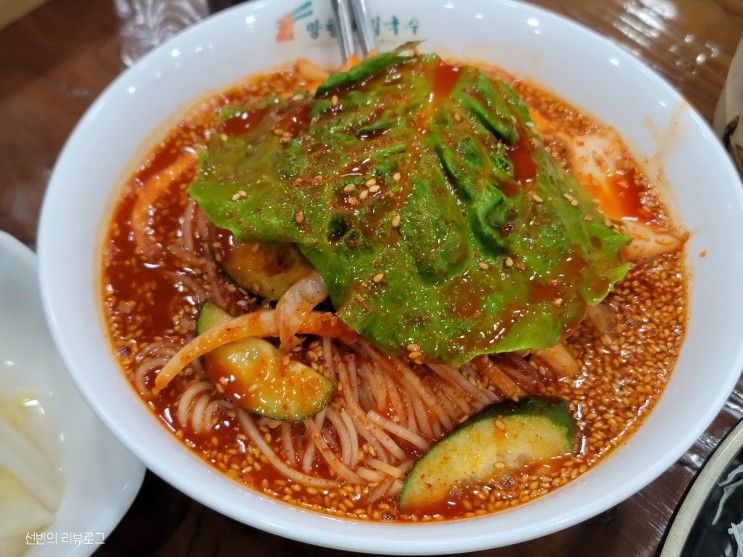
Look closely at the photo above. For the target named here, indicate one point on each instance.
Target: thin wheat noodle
(421, 416)
(187, 256)
(320, 418)
(334, 463)
(360, 415)
(364, 396)
(412, 423)
(457, 405)
(353, 434)
(395, 488)
(371, 475)
(398, 430)
(197, 413)
(393, 394)
(363, 426)
(344, 436)
(384, 467)
(211, 410)
(190, 283)
(309, 451)
(144, 368)
(471, 373)
(158, 346)
(454, 376)
(372, 383)
(286, 439)
(414, 394)
(184, 403)
(389, 364)
(380, 491)
(327, 354)
(308, 457)
(498, 377)
(428, 397)
(436, 429)
(295, 475)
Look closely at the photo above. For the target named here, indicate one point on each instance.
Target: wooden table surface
(57, 59)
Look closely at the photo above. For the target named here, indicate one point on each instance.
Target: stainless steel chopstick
(363, 26)
(344, 24)
(348, 12)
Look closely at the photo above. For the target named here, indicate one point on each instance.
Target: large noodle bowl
(164, 259)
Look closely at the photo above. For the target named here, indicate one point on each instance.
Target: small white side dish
(589, 71)
(100, 476)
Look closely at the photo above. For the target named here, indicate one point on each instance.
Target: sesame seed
(571, 199)
(334, 100)
(363, 194)
(370, 182)
(396, 221)
(379, 277)
(223, 136)
(484, 266)
(349, 188)
(536, 198)
(509, 262)
(396, 176)
(374, 188)
(299, 217)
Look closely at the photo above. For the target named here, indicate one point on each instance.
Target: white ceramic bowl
(593, 73)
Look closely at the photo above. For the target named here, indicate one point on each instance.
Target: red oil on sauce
(443, 81)
(242, 122)
(162, 159)
(548, 292)
(619, 197)
(522, 159)
(357, 168)
(296, 120)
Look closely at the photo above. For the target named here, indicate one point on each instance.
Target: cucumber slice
(268, 270)
(500, 439)
(255, 375)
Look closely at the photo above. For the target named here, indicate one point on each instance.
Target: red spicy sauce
(522, 159)
(444, 79)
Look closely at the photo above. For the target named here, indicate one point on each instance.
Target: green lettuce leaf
(471, 239)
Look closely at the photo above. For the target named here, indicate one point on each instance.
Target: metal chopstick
(348, 12)
(363, 26)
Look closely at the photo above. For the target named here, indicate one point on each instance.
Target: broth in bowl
(409, 290)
